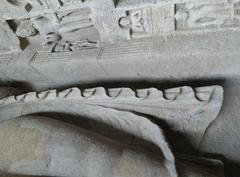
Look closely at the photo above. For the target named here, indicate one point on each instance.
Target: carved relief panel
(148, 21)
(116, 110)
(204, 16)
(136, 22)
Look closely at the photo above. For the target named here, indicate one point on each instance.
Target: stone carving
(45, 17)
(45, 5)
(198, 166)
(193, 16)
(9, 42)
(59, 21)
(136, 22)
(84, 44)
(92, 156)
(78, 45)
(186, 111)
(83, 150)
(114, 107)
(53, 26)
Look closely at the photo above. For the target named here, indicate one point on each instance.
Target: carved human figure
(62, 47)
(46, 25)
(188, 112)
(136, 22)
(77, 45)
(53, 25)
(46, 4)
(134, 147)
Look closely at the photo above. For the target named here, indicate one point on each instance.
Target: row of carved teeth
(201, 93)
(180, 93)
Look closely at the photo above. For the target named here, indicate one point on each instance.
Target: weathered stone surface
(41, 146)
(59, 44)
(112, 21)
(186, 111)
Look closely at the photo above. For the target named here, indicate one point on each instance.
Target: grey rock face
(119, 45)
(113, 107)
(185, 110)
(41, 146)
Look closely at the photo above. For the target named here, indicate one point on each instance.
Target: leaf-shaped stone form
(187, 111)
(124, 121)
(55, 148)
(43, 146)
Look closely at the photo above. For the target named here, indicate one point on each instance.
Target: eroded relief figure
(45, 18)
(53, 27)
(112, 132)
(136, 22)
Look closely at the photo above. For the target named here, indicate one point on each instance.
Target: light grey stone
(110, 22)
(59, 44)
(186, 111)
(8, 91)
(41, 146)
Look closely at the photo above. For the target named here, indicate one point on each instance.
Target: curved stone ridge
(129, 122)
(187, 110)
(200, 94)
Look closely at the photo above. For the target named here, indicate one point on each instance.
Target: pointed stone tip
(87, 93)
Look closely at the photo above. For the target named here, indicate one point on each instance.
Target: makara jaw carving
(187, 111)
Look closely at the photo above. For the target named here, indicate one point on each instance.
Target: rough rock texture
(66, 24)
(141, 47)
(44, 147)
(41, 146)
(185, 110)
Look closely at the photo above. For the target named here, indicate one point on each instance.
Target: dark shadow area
(23, 41)
(25, 87)
(161, 84)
